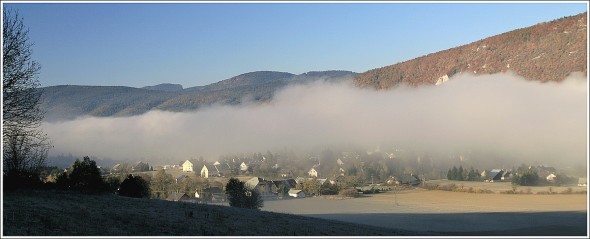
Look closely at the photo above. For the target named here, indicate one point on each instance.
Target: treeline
(461, 174)
(84, 176)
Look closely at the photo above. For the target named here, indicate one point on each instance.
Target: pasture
(452, 213)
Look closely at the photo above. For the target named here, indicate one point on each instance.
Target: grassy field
(49, 213)
(453, 213)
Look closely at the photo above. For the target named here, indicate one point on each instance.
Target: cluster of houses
(496, 175)
(268, 189)
(544, 172)
(215, 169)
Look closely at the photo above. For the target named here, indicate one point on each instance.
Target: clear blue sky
(139, 44)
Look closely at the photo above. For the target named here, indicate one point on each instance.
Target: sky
(193, 44)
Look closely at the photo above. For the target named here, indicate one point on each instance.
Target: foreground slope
(47, 213)
(547, 51)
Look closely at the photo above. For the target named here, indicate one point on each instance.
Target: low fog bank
(544, 122)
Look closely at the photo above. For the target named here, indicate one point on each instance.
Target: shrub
(349, 192)
(240, 196)
(84, 177)
(135, 187)
(567, 191)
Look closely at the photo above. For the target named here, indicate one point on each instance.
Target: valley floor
(453, 213)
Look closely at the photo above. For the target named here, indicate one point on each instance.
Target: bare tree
(25, 145)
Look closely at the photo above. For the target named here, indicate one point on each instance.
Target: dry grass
(454, 213)
(47, 213)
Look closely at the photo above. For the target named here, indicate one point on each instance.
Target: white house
(215, 170)
(187, 166)
(197, 195)
(243, 167)
(551, 177)
(312, 172)
(582, 182)
(296, 193)
(205, 171)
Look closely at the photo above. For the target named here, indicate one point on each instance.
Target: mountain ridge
(547, 51)
(67, 102)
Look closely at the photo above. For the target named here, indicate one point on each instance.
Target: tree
(240, 196)
(236, 191)
(134, 187)
(85, 176)
(329, 189)
(25, 146)
(311, 187)
(113, 183)
(460, 173)
(454, 173)
(161, 184)
(188, 185)
(528, 178)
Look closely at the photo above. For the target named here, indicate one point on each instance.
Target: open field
(455, 213)
(55, 213)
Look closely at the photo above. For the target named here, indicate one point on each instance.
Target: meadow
(55, 213)
(452, 213)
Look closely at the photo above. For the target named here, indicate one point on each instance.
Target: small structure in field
(183, 197)
(296, 193)
(582, 182)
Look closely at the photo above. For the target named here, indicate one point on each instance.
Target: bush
(84, 177)
(567, 191)
(113, 184)
(329, 189)
(349, 192)
(528, 178)
(135, 187)
(371, 191)
(240, 196)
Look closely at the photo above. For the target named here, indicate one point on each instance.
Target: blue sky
(139, 44)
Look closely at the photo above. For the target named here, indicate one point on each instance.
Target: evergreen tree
(85, 176)
(240, 196)
(134, 187)
(454, 173)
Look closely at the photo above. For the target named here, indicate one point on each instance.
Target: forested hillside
(70, 101)
(547, 51)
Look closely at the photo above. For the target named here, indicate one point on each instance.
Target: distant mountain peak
(165, 87)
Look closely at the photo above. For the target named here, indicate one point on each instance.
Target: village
(199, 181)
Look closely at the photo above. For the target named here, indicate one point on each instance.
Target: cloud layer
(500, 112)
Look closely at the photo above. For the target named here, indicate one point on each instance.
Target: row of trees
(528, 177)
(461, 174)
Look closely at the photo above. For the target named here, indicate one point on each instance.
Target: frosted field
(453, 212)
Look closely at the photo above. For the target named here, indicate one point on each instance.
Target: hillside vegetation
(55, 213)
(547, 51)
(71, 101)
